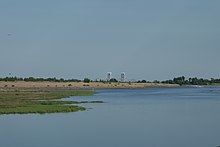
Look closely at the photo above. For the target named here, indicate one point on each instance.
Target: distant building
(122, 76)
(109, 76)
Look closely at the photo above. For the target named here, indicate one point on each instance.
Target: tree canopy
(192, 81)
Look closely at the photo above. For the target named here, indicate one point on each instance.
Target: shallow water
(151, 117)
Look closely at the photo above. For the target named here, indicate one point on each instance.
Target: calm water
(153, 117)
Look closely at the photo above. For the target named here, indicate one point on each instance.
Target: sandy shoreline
(95, 85)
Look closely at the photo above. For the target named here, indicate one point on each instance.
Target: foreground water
(152, 117)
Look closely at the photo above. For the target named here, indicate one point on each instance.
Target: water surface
(151, 117)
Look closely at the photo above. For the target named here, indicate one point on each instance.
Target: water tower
(109, 76)
(122, 76)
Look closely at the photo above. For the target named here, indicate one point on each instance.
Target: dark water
(153, 117)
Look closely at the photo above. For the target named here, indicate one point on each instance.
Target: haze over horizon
(152, 40)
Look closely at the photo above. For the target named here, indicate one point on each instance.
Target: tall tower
(122, 76)
(109, 76)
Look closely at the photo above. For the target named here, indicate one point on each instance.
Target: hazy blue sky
(147, 39)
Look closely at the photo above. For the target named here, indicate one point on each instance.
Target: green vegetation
(32, 79)
(192, 81)
(113, 80)
(23, 101)
(142, 81)
(86, 80)
(177, 80)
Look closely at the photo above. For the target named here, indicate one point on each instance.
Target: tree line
(32, 79)
(177, 80)
(192, 81)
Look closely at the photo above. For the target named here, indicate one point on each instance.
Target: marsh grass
(24, 101)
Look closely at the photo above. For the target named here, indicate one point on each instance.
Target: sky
(146, 39)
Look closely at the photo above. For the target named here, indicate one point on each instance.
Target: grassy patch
(24, 101)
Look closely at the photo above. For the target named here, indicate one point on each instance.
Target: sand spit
(95, 85)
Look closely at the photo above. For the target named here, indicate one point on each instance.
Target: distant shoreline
(94, 85)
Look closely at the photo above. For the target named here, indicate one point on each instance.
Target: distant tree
(156, 81)
(61, 80)
(113, 80)
(179, 80)
(75, 80)
(29, 79)
(86, 80)
(143, 81)
(167, 82)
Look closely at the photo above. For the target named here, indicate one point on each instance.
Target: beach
(95, 85)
